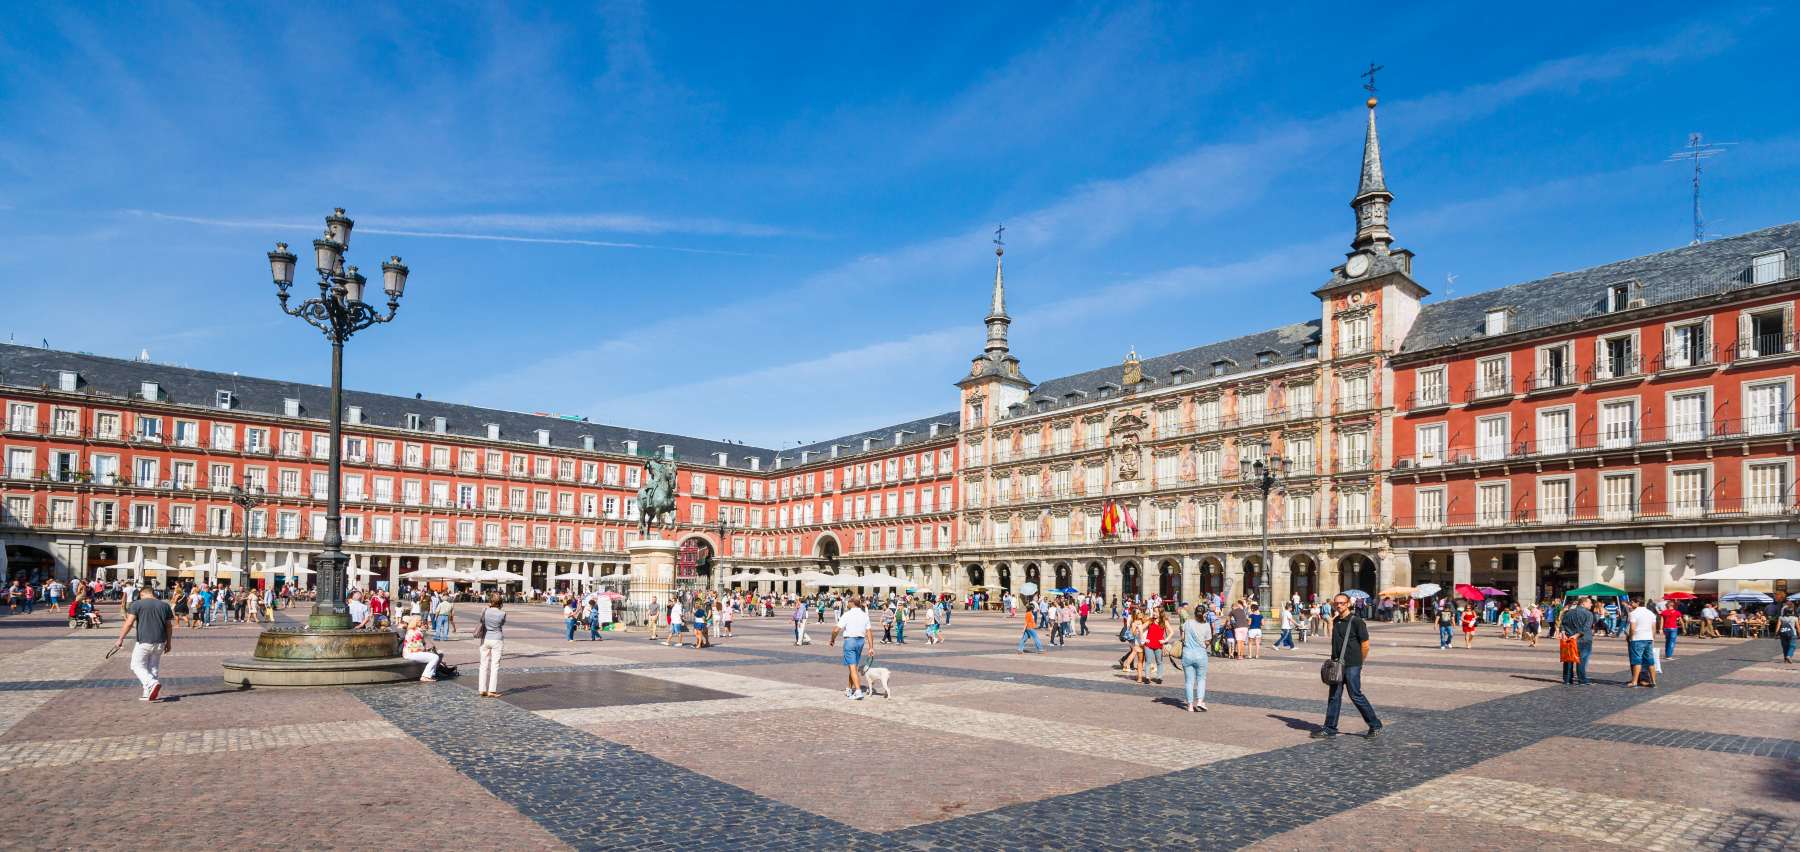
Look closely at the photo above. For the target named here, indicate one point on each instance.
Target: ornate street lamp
(1265, 477)
(246, 499)
(339, 311)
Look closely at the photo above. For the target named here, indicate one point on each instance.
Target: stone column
(1402, 569)
(1281, 582)
(1587, 565)
(1325, 576)
(1385, 571)
(1460, 572)
(1115, 584)
(1656, 571)
(1190, 579)
(1527, 592)
(1728, 558)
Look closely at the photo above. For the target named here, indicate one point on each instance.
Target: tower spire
(1372, 196)
(997, 320)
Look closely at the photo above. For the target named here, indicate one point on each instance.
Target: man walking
(1642, 643)
(1671, 624)
(1446, 619)
(151, 619)
(1578, 621)
(1350, 645)
(853, 626)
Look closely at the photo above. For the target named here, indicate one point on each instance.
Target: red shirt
(1671, 619)
(378, 605)
(1153, 637)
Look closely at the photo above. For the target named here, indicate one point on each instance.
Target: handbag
(481, 628)
(1568, 649)
(1173, 647)
(1125, 632)
(1332, 671)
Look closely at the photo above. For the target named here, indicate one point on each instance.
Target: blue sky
(773, 226)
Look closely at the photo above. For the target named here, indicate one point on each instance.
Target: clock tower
(994, 382)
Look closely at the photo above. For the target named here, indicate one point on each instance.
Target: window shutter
(1601, 368)
(1671, 355)
(1746, 346)
(1706, 342)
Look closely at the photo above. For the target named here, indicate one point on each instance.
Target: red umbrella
(1678, 596)
(1469, 593)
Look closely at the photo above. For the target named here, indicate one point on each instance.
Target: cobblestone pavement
(752, 744)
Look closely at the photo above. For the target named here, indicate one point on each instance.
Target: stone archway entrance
(1132, 577)
(1212, 576)
(29, 564)
(1096, 578)
(977, 577)
(1003, 576)
(1303, 575)
(1168, 579)
(1357, 571)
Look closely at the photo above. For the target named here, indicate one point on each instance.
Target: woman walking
(1154, 631)
(1196, 636)
(1787, 628)
(1469, 620)
(493, 623)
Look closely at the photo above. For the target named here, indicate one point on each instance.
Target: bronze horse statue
(656, 498)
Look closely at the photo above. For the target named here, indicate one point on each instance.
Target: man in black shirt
(1349, 643)
(1578, 620)
(151, 619)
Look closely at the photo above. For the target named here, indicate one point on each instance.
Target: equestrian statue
(656, 498)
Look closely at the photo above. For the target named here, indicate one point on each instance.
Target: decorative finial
(1000, 239)
(1370, 86)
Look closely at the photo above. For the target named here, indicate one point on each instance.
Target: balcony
(1649, 513)
(1616, 367)
(1765, 346)
(1550, 380)
(1420, 401)
(1699, 356)
(1773, 424)
(1499, 387)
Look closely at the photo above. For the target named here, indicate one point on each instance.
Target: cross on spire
(1000, 235)
(1370, 76)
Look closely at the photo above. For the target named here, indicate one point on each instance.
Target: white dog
(874, 675)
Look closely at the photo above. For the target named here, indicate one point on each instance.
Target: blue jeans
(1335, 704)
(594, 627)
(1444, 637)
(1193, 673)
(1669, 634)
(570, 624)
(900, 632)
(1787, 646)
(1153, 657)
(439, 624)
(1639, 651)
(1286, 640)
(1032, 635)
(1577, 672)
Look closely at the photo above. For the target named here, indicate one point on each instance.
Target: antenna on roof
(1697, 150)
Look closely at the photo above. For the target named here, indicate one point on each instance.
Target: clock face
(1357, 265)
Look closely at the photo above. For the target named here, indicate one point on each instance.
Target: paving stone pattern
(1788, 749)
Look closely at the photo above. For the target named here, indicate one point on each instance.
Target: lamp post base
(310, 657)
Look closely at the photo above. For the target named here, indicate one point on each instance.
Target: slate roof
(852, 444)
(1288, 343)
(1711, 267)
(118, 377)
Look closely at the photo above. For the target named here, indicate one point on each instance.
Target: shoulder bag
(1332, 671)
(1173, 647)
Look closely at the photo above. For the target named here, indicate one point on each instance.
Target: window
(1300, 512)
(1496, 321)
(1490, 504)
(1553, 430)
(223, 399)
(65, 421)
(106, 425)
(1766, 486)
(1618, 297)
(20, 463)
(1355, 451)
(1353, 509)
(1491, 438)
(1493, 376)
(67, 381)
(1300, 401)
(1356, 393)
(1687, 492)
(1431, 445)
(1300, 456)
(1687, 416)
(1766, 408)
(1430, 508)
(1166, 468)
(1555, 366)
(1618, 423)
(1251, 406)
(1687, 345)
(1556, 500)
(22, 418)
(149, 429)
(1206, 519)
(1765, 268)
(1617, 356)
(1618, 496)
(1353, 335)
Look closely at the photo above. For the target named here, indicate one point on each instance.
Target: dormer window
(1496, 321)
(149, 391)
(1624, 296)
(1766, 268)
(222, 399)
(290, 407)
(68, 380)
(354, 415)
(1219, 367)
(587, 443)
(1177, 375)
(439, 425)
(1311, 350)
(543, 437)
(412, 422)
(493, 431)
(1265, 357)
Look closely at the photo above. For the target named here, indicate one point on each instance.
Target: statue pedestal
(652, 573)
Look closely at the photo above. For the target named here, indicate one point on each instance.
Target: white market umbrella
(571, 576)
(877, 581)
(746, 576)
(1028, 589)
(1767, 569)
(438, 574)
(498, 577)
(1426, 590)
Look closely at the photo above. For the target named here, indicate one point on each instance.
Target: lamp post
(724, 527)
(339, 311)
(246, 499)
(1265, 477)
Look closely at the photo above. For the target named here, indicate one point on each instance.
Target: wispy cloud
(363, 227)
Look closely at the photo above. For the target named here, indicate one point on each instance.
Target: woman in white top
(493, 623)
(1196, 636)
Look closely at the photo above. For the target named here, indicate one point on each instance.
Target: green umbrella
(1595, 590)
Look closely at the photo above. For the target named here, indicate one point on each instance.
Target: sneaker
(849, 693)
(1323, 733)
(860, 695)
(1372, 733)
(155, 691)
